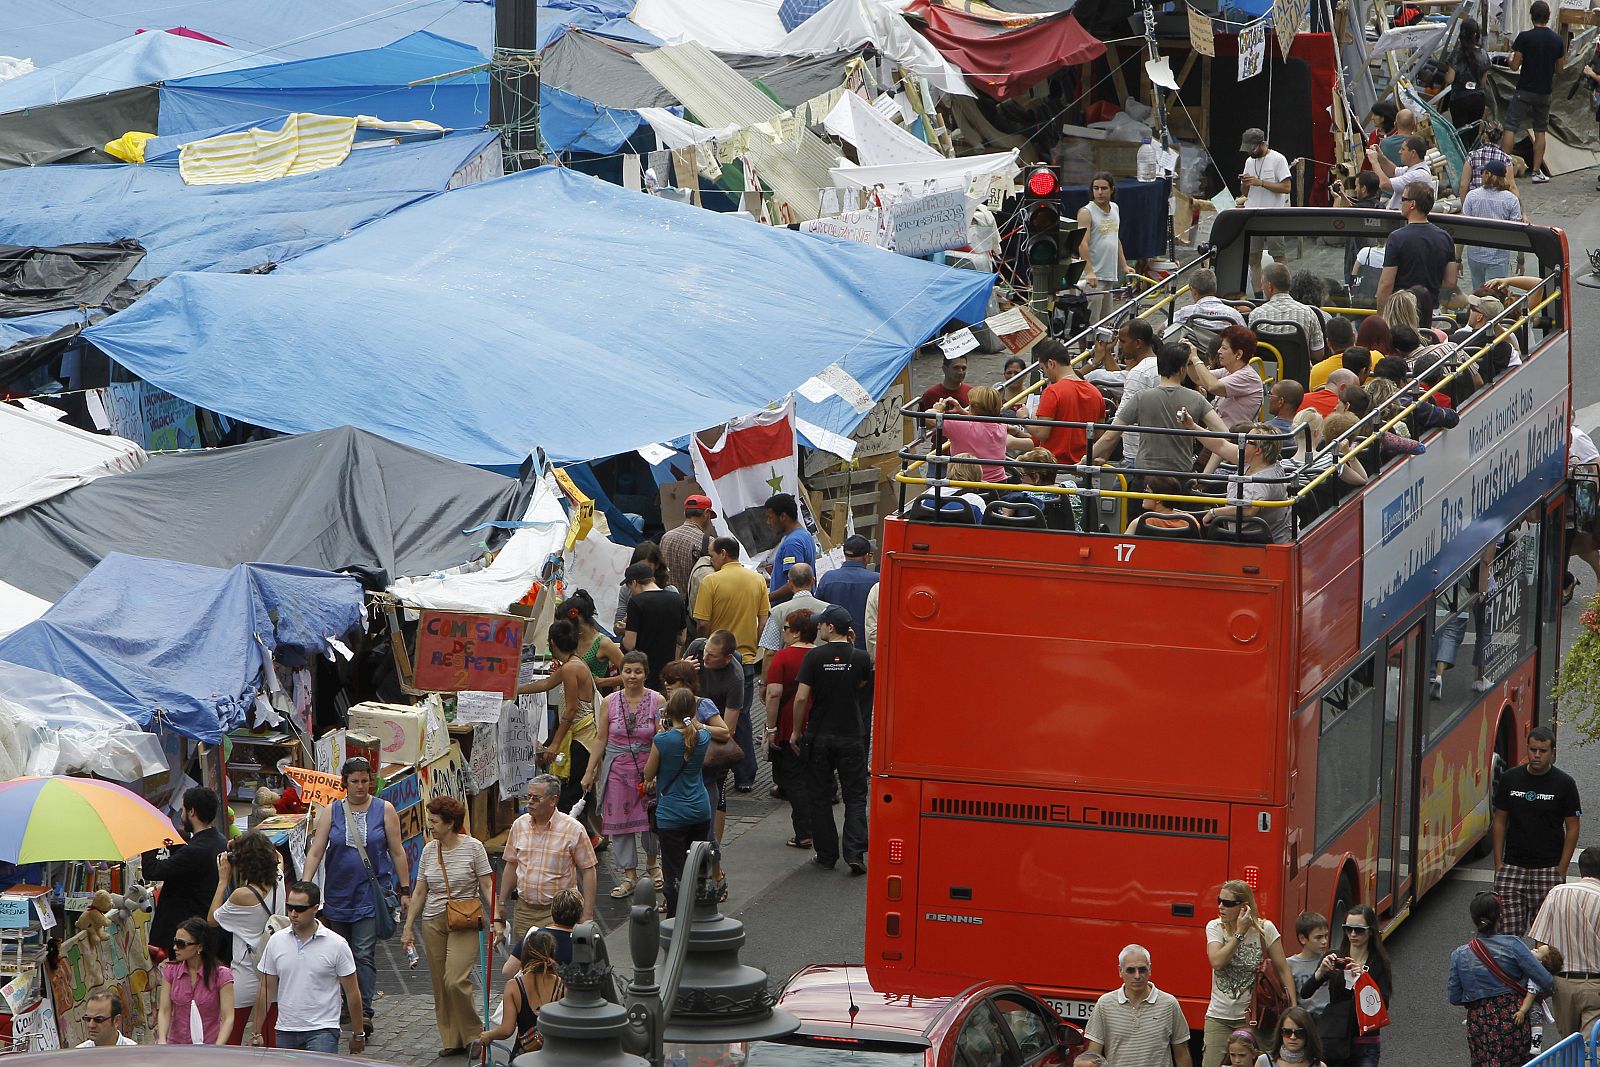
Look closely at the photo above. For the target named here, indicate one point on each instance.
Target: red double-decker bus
(1079, 734)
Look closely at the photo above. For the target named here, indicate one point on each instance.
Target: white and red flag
(758, 455)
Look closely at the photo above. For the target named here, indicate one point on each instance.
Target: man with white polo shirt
(303, 968)
(1569, 921)
(1136, 1024)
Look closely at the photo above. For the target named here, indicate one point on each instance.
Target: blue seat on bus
(952, 510)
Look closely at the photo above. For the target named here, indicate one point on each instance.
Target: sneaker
(1540, 177)
(1482, 685)
(1436, 687)
(857, 867)
(826, 865)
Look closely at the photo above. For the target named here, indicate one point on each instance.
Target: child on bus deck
(1312, 930)
(1243, 1051)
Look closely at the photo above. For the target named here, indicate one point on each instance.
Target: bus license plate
(1073, 1011)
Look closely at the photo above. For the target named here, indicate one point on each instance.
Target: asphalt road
(804, 915)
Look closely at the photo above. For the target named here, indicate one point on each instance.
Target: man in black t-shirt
(1418, 253)
(655, 621)
(1537, 55)
(833, 678)
(1536, 814)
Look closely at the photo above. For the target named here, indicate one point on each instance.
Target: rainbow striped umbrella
(63, 818)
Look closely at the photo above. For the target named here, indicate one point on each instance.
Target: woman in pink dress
(193, 983)
(628, 717)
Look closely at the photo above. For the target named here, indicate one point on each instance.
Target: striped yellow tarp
(306, 143)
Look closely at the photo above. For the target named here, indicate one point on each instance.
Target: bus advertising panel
(1442, 508)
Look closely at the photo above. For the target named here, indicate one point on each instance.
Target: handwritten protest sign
(478, 707)
(485, 755)
(861, 226)
(316, 787)
(927, 224)
(1202, 36)
(457, 651)
(1252, 49)
(518, 742)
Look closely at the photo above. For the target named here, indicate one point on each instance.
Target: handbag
(1371, 1012)
(1269, 998)
(385, 901)
(721, 755)
(458, 914)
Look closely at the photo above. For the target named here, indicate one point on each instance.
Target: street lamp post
(703, 995)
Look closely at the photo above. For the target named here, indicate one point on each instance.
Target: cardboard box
(398, 729)
(363, 745)
(672, 497)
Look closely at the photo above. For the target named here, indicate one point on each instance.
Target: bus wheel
(1344, 898)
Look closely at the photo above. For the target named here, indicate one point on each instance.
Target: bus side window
(1348, 751)
(980, 1043)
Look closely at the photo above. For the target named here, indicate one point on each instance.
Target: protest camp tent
(546, 309)
(332, 500)
(226, 227)
(45, 457)
(373, 81)
(183, 646)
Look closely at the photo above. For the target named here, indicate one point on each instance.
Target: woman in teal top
(683, 808)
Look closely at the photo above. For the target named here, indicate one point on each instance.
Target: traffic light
(1050, 250)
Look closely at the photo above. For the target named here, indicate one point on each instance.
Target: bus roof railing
(1373, 425)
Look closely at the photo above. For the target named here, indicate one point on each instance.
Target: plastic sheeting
(74, 132)
(36, 278)
(49, 725)
(48, 31)
(184, 646)
(468, 325)
(225, 228)
(605, 71)
(45, 458)
(142, 60)
(369, 82)
(556, 20)
(331, 500)
(1005, 62)
(569, 123)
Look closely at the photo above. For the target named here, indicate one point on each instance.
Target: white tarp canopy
(18, 608)
(49, 725)
(932, 175)
(753, 26)
(44, 458)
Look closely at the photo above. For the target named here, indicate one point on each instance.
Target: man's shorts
(1528, 113)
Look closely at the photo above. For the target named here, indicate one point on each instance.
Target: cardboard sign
(15, 913)
(457, 650)
(1202, 35)
(1288, 19)
(316, 787)
(405, 793)
(448, 776)
(927, 224)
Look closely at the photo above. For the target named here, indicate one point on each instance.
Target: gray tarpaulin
(35, 279)
(1571, 113)
(77, 130)
(603, 70)
(326, 500)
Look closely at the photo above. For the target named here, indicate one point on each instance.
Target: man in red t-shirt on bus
(1068, 398)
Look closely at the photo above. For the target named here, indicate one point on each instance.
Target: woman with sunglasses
(1361, 953)
(1295, 1044)
(194, 979)
(1236, 943)
(1498, 1031)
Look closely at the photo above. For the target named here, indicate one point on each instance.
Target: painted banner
(316, 787)
(457, 650)
(150, 416)
(923, 225)
(120, 963)
(1252, 49)
(404, 791)
(447, 776)
(1439, 510)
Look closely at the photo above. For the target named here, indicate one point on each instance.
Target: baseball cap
(639, 572)
(696, 503)
(837, 616)
(856, 545)
(1497, 167)
(1252, 137)
(1490, 306)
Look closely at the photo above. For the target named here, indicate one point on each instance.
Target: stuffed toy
(136, 900)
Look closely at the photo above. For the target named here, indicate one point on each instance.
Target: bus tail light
(1252, 878)
(893, 889)
(891, 923)
(897, 850)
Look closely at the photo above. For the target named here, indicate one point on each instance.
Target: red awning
(1004, 62)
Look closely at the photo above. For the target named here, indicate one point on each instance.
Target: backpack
(1269, 998)
(275, 923)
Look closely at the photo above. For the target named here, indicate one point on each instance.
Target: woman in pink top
(192, 980)
(984, 441)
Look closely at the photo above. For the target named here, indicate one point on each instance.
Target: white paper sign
(958, 343)
(927, 224)
(38, 1027)
(863, 227)
(1009, 321)
(848, 389)
(486, 754)
(815, 389)
(474, 706)
(1168, 160)
(656, 453)
(47, 914)
(518, 730)
(885, 105)
(1252, 49)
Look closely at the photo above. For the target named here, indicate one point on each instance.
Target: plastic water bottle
(1149, 162)
(412, 959)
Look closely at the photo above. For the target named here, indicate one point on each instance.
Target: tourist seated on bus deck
(1266, 480)
(1236, 386)
(988, 441)
(1160, 407)
(1281, 307)
(1282, 403)
(1355, 400)
(1207, 306)
(1068, 398)
(1159, 515)
(1355, 358)
(1325, 398)
(1129, 364)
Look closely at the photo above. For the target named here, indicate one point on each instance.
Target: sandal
(624, 889)
(722, 892)
(799, 842)
(656, 877)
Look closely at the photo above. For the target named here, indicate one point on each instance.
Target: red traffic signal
(1042, 182)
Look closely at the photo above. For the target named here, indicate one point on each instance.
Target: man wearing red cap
(681, 546)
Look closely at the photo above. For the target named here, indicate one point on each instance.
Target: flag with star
(758, 455)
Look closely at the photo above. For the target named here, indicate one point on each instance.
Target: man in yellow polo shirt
(734, 598)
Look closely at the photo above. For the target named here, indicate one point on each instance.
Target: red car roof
(821, 996)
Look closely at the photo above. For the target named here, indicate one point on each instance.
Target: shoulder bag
(720, 755)
(275, 923)
(1481, 950)
(385, 901)
(458, 914)
(1269, 999)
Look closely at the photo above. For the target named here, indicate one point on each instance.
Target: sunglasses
(1292, 1031)
(1226, 903)
(297, 908)
(1136, 970)
(1354, 929)
(97, 1018)
(177, 943)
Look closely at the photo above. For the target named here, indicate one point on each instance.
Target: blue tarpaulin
(543, 309)
(223, 227)
(48, 31)
(121, 64)
(555, 18)
(181, 644)
(570, 123)
(370, 82)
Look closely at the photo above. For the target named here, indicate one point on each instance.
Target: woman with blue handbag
(359, 838)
